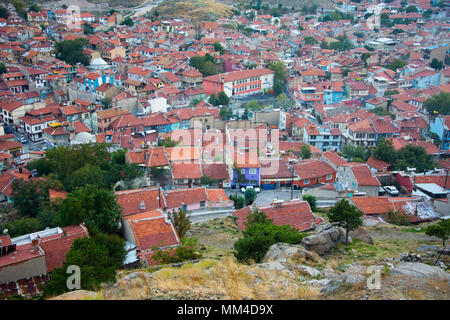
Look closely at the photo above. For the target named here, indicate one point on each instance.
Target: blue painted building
(323, 138)
(250, 177)
(426, 79)
(441, 126)
(333, 95)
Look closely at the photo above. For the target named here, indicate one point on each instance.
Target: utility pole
(292, 181)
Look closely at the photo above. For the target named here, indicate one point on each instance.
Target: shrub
(260, 234)
(399, 220)
(180, 254)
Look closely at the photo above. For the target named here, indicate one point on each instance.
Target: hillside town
(272, 111)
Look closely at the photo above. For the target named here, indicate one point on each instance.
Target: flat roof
(431, 187)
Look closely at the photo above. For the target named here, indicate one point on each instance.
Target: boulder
(332, 285)
(362, 235)
(274, 265)
(325, 238)
(355, 274)
(281, 252)
(310, 271)
(420, 270)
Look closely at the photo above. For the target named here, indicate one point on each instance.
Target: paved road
(266, 197)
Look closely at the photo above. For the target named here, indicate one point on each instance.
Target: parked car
(23, 140)
(243, 189)
(391, 190)
(381, 191)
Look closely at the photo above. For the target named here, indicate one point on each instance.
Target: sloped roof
(296, 213)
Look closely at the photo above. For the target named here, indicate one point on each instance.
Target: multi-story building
(322, 138)
(240, 83)
(441, 126)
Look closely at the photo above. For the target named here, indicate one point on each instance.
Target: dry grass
(194, 9)
(224, 279)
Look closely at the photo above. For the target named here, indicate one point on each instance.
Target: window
(326, 137)
(306, 181)
(252, 171)
(329, 176)
(180, 181)
(202, 204)
(243, 171)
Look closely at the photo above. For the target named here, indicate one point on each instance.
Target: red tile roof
(130, 200)
(150, 229)
(56, 248)
(295, 213)
(186, 171)
(364, 176)
(178, 197)
(373, 205)
(313, 169)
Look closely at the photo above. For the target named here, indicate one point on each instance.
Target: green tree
(87, 175)
(306, 151)
(385, 151)
(213, 99)
(396, 64)
(352, 152)
(277, 87)
(181, 220)
(3, 68)
(436, 64)
(29, 196)
(88, 29)
(440, 230)
(34, 8)
(391, 92)
(280, 70)
(225, 113)
(219, 48)
(346, 216)
(427, 13)
(19, 6)
(412, 8)
(253, 106)
(239, 201)
(365, 56)
(385, 21)
(310, 40)
(438, 104)
(127, 22)
(250, 196)
(98, 257)
(259, 236)
(168, 143)
(21, 226)
(312, 201)
(71, 51)
(223, 99)
(4, 13)
(415, 157)
(97, 208)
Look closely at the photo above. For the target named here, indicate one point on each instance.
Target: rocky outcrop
(362, 235)
(79, 295)
(420, 270)
(282, 252)
(325, 238)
